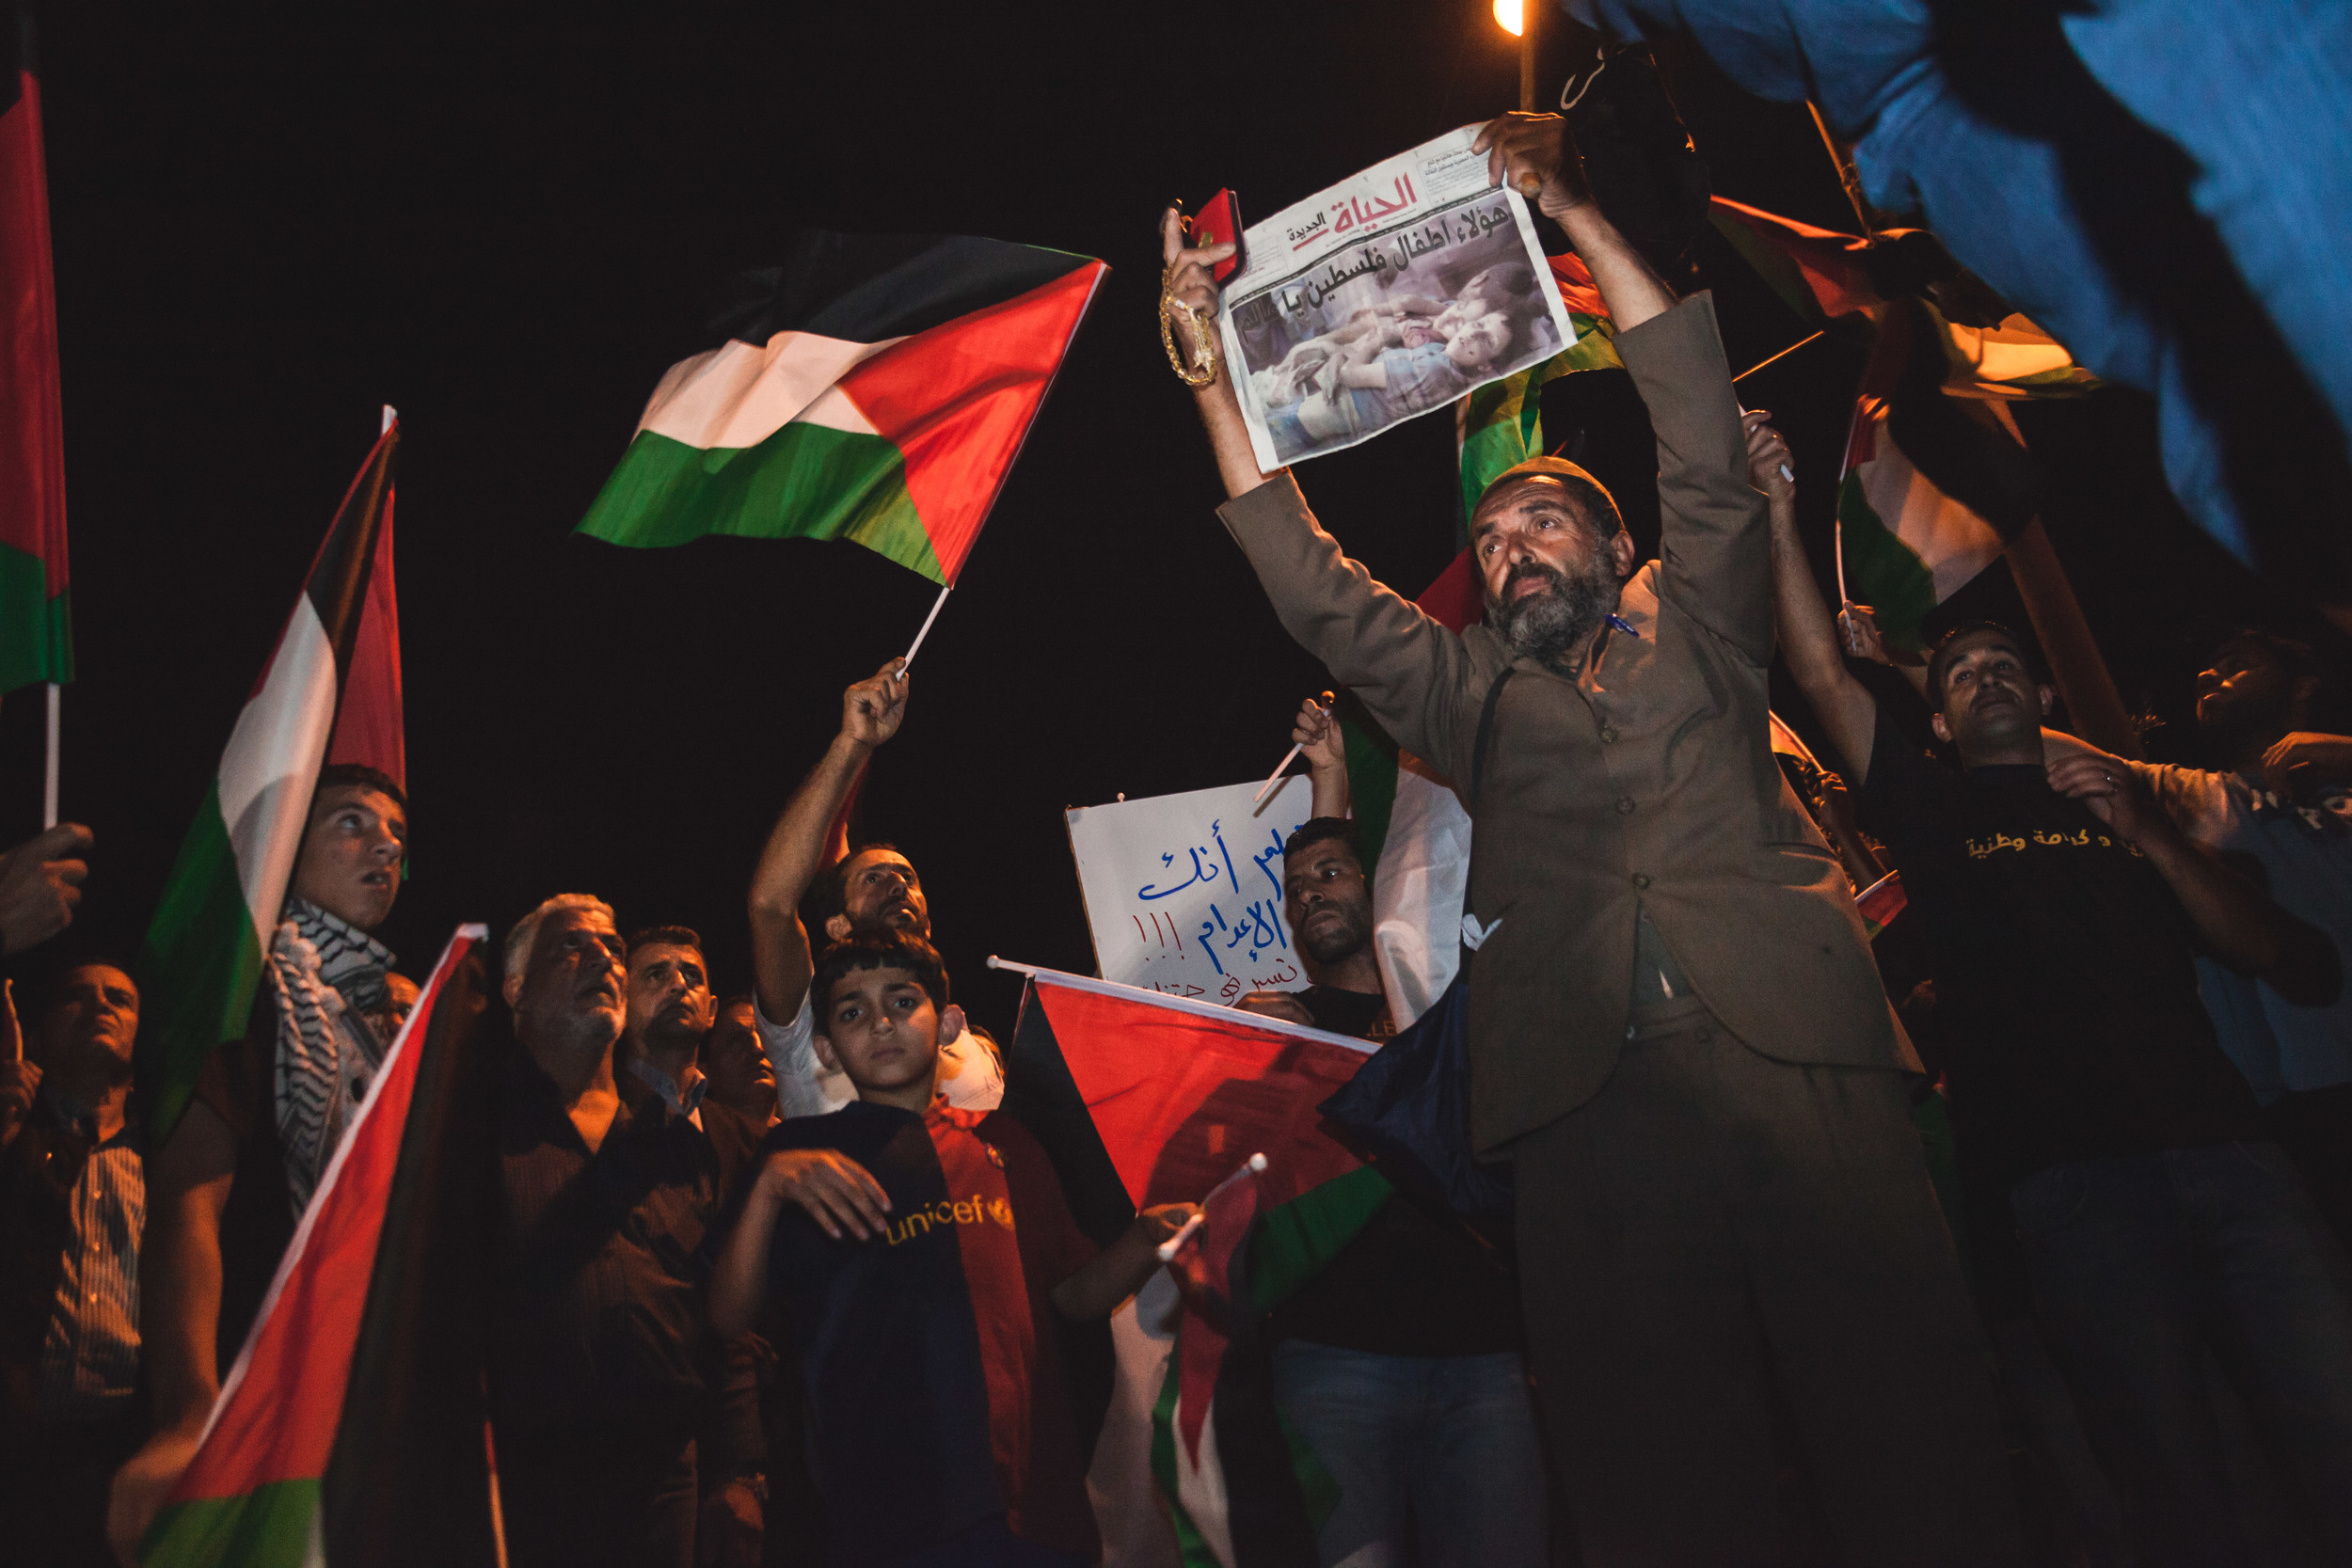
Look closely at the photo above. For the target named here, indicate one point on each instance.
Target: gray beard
(1553, 628)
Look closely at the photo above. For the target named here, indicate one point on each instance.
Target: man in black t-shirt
(1400, 1359)
(2063, 912)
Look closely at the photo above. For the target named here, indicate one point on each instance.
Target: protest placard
(1184, 892)
(1389, 295)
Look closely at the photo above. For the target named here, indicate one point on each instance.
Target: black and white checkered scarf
(334, 1020)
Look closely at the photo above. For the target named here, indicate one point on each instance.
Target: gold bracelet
(1197, 326)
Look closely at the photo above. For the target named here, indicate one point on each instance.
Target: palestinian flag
(1501, 424)
(36, 607)
(350, 1431)
(1905, 544)
(1141, 1098)
(873, 387)
(1175, 1089)
(334, 675)
(1930, 420)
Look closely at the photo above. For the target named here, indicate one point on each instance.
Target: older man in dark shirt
(604, 1373)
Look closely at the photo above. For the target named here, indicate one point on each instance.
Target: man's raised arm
(1715, 551)
(1189, 279)
(1808, 638)
(781, 966)
(1404, 665)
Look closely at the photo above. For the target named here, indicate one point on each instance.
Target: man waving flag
(872, 387)
(335, 674)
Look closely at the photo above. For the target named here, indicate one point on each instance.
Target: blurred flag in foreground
(350, 1432)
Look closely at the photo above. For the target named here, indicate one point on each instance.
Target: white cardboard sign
(1184, 892)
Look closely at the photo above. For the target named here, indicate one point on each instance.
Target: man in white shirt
(871, 889)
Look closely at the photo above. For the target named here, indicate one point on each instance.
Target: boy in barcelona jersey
(922, 1264)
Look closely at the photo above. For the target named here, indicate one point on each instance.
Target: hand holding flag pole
(1288, 757)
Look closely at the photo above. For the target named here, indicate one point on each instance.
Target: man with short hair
(2063, 912)
(669, 1013)
(73, 1210)
(735, 1062)
(868, 891)
(1725, 1229)
(1399, 1360)
(603, 1372)
(229, 1181)
(1328, 900)
(2279, 807)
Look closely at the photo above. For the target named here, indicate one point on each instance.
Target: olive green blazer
(1646, 782)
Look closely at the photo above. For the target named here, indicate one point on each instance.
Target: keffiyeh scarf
(334, 1020)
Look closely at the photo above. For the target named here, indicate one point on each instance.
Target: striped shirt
(89, 1361)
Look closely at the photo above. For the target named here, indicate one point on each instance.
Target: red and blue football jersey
(933, 1354)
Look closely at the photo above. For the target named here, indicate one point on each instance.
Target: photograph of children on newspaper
(1394, 326)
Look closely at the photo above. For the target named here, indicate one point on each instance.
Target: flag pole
(1847, 176)
(908, 663)
(48, 770)
(1275, 777)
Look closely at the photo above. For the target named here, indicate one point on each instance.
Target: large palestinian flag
(202, 958)
(36, 610)
(872, 388)
(350, 1431)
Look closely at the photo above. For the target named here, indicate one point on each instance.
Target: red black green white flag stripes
(872, 387)
(201, 961)
(350, 1430)
(36, 608)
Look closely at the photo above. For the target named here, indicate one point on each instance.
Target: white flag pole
(944, 590)
(49, 773)
(1275, 777)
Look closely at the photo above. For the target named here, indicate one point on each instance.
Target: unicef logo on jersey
(947, 1211)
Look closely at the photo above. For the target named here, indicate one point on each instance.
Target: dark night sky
(269, 220)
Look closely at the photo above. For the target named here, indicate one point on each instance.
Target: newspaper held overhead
(1387, 296)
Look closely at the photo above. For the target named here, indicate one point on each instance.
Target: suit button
(1641, 878)
(1609, 733)
(1625, 805)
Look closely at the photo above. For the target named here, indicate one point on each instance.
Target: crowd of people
(777, 1279)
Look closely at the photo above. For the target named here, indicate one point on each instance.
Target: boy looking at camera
(925, 1262)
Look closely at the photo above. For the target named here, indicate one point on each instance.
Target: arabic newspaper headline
(1387, 296)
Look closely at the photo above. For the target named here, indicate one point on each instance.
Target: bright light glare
(1507, 15)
